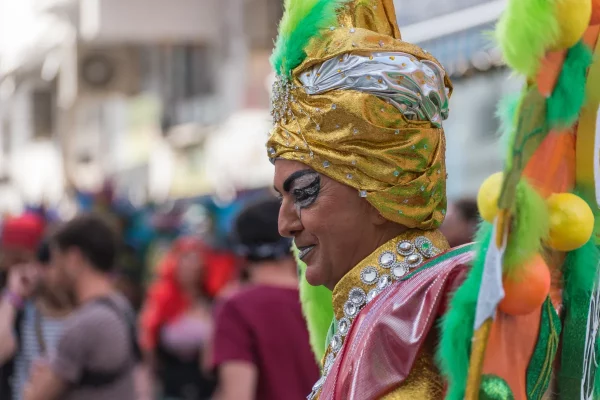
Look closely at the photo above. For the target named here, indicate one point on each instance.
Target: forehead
(285, 168)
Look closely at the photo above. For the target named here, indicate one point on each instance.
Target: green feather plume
(506, 112)
(457, 324)
(317, 308)
(302, 20)
(565, 103)
(530, 227)
(525, 31)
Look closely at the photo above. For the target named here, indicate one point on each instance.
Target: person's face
(64, 268)
(332, 226)
(189, 269)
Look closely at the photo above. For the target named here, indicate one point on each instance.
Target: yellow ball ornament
(573, 18)
(487, 198)
(571, 221)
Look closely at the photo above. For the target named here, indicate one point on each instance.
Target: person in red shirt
(261, 345)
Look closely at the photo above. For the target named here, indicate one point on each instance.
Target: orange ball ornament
(528, 289)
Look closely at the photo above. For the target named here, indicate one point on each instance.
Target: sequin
(344, 325)
(349, 176)
(363, 193)
(405, 248)
(414, 259)
(426, 247)
(336, 343)
(386, 259)
(396, 173)
(333, 106)
(329, 360)
(357, 296)
(319, 383)
(372, 294)
(369, 275)
(350, 309)
(383, 282)
(326, 164)
(399, 270)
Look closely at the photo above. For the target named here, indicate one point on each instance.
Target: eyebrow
(288, 182)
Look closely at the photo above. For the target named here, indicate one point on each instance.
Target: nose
(289, 222)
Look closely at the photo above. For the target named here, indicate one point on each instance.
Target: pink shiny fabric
(386, 336)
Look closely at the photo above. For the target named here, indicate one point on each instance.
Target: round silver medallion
(426, 247)
(336, 343)
(357, 296)
(319, 383)
(399, 270)
(414, 259)
(383, 282)
(405, 248)
(371, 295)
(328, 363)
(350, 309)
(344, 326)
(387, 259)
(369, 275)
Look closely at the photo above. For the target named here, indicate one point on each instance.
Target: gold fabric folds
(359, 139)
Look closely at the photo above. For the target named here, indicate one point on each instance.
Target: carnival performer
(358, 110)
(359, 154)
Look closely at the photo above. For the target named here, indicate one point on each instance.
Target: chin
(314, 276)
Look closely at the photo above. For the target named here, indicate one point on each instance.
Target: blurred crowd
(111, 305)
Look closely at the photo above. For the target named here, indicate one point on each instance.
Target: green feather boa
(317, 308)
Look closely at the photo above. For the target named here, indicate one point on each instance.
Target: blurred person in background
(19, 240)
(97, 351)
(176, 322)
(32, 316)
(461, 222)
(261, 347)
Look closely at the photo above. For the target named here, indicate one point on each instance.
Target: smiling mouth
(303, 251)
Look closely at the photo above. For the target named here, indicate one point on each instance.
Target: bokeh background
(160, 109)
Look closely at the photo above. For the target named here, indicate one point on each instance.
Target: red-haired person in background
(19, 240)
(176, 321)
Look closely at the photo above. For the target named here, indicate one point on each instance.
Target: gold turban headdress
(357, 104)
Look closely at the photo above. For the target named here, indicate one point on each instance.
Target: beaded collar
(386, 265)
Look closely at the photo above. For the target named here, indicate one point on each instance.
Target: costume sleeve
(455, 280)
(233, 339)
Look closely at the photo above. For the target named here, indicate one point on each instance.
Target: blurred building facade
(128, 89)
(145, 91)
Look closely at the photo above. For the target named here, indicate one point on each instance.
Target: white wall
(473, 143)
(148, 20)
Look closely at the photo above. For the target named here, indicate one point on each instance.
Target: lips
(304, 250)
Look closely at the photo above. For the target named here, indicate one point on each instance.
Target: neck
(275, 273)
(93, 285)
(54, 305)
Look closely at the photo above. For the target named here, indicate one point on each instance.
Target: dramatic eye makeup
(304, 186)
